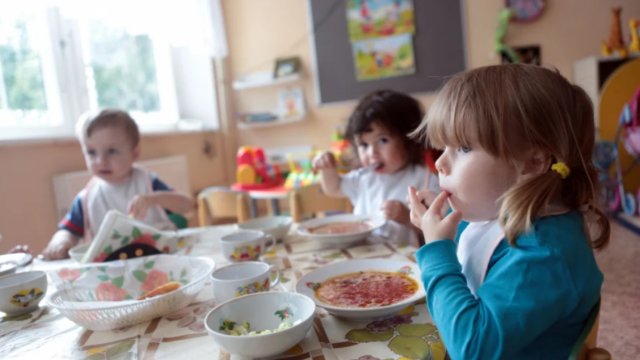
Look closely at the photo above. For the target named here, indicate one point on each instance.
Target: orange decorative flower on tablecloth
(106, 291)
(69, 274)
(154, 279)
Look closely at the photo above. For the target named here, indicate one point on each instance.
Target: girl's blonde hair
(510, 109)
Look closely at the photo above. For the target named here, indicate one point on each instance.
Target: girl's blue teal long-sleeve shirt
(534, 301)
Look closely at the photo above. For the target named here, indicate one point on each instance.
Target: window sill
(183, 127)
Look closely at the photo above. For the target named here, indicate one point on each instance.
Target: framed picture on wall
(291, 103)
(376, 19)
(286, 67)
(526, 10)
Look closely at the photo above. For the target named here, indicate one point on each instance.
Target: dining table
(46, 334)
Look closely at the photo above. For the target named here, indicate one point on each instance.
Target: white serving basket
(78, 303)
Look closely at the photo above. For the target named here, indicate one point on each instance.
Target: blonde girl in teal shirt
(510, 272)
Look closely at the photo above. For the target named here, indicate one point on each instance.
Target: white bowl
(340, 239)
(9, 263)
(276, 226)
(263, 311)
(77, 252)
(20, 293)
(308, 284)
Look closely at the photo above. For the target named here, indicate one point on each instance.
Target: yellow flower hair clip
(562, 169)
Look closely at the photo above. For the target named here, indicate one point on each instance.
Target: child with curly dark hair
(379, 128)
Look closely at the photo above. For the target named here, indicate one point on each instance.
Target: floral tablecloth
(45, 334)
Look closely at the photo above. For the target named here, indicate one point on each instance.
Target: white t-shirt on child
(368, 191)
(100, 197)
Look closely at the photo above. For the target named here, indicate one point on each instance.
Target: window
(120, 68)
(28, 96)
(128, 70)
(56, 65)
(22, 86)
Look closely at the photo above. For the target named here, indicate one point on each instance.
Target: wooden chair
(311, 200)
(221, 202)
(585, 348)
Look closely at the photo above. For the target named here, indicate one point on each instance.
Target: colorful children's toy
(615, 43)
(634, 29)
(302, 175)
(500, 47)
(522, 11)
(253, 172)
(342, 151)
(606, 154)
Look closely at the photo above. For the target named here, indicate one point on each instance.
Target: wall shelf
(265, 124)
(263, 79)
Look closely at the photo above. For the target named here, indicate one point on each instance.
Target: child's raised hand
(396, 211)
(434, 225)
(324, 160)
(139, 206)
(57, 249)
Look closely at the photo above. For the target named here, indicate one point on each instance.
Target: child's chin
(109, 178)
(387, 169)
(456, 207)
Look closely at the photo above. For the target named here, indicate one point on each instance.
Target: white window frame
(67, 92)
(56, 90)
(163, 120)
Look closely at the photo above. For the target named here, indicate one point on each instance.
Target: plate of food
(340, 229)
(371, 289)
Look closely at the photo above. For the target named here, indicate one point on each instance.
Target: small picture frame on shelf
(286, 66)
(291, 103)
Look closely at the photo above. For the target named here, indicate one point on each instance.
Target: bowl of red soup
(340, 229)
(371, 289)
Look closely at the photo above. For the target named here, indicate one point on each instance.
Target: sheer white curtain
(194, 24)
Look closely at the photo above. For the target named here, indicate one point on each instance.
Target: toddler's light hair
(102, 118)
(511, 109)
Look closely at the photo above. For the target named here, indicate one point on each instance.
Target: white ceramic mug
(245, 245)
(245, 278)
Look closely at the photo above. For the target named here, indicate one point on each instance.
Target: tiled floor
(620, 312)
